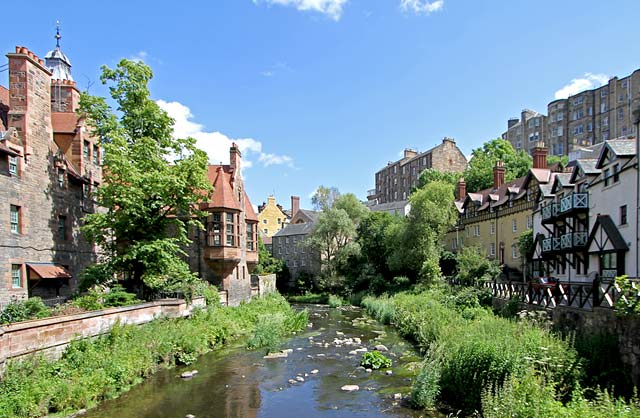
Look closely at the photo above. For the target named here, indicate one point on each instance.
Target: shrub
(335, 301)
(24, 310)
(474, 266)
(374, 360)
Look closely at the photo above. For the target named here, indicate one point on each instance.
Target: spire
(58, 36)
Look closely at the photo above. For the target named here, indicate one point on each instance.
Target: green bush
(23, 310)
(474, 266)
(102, 368)
(335, 301)
(374, 360)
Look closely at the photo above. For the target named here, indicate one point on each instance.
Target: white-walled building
(585, 224)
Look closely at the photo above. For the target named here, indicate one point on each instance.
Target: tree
(431, 174)
(479, 174)
(562, 159)
(324, 197)
(267, 264)
(474, 266)
(526, 248)
(152, 185)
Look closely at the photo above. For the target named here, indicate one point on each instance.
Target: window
(560, 130)
(16, 276)
(15, 219)
(286, 240)
(529, 221)
(85, 150)
(492, 228)
(264, 221)
(266, 231)
(514, 225)
(279, 221)
(514, 251)
(86, 190)
(560, 148)
(560, 116)
(295, 263)
(492, 249)
(62, 227)
(609, 261)
(61, 178)
(603, 107)
(468, 232)
(476, 231)
(603, 93)
(606, 175)
(250, 237)
(279, 250)
(216, 230)
(230, 229)
(13, 165)
(620, 114)
(590, 126)
(303, 262)
(616, 173)
(623, 215)
(96, 155)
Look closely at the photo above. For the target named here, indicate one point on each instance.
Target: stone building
(395, 182)
(272, 217)
(226, 252)
(586, 118)
(49, 166)
(528, 130)
(289, 245)
(493, 219)
(585, 222)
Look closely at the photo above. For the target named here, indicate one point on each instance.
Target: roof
(588, 167)
(49, 271)
(498, 196)
(249, 213)
(609, 227)
(619, 147)
(59, 65)
(305, 215)
(296, 229)
(221, 176)
(389, 206)
(64, 122)
(4, 95)
(561, 180)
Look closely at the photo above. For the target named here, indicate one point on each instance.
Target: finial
(58, 36)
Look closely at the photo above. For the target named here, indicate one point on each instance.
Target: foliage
(267, 263)
(431, 174)
(92, 370)
(629, 302)
(336, 301)
(479, 174)
(467, 354)
(152, 184)
(474, 266)
(563, 160)
(375, 360)
(324, 197)
(526, 245)
(98, 298)
(23, 310)
(268, 332)
(316, 298)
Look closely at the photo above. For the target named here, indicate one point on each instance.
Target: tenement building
(226, 252)
(528, 130)
(584, 119)
(289, 244)
(49, 167)
(395, 182)
(493, 219)
(585, 223)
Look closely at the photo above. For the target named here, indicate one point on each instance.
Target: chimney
(540, 155)
(462, 188)
(409, 153)
(234, 159)
(498, 174)
(295, 205)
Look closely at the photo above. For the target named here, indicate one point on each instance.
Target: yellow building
(271, 217)
(494, 218)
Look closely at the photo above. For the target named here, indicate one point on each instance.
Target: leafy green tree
(479, 174)
(431, 174)
(474, 266)
(267, 264)
(562, 159)
(526, 248)
(324, 197)
(152, 185)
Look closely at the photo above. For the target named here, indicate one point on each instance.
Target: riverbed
(236, 382)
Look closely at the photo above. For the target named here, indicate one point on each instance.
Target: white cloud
(588, 82)
(139, 56)
(421, 6)
(331, 8)
(217, 144)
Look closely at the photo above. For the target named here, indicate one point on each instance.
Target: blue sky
(327, 91)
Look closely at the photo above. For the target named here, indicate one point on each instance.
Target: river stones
(388, 372)
(189, 374)
(361, 350)
(350, 388)
(397, 396)
(381, 347)
(300, 378)
(293, 381)
(314, 371)
(277, 354)
(189, 416)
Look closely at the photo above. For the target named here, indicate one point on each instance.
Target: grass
(333, 301)
(102, 368)
(476, 361)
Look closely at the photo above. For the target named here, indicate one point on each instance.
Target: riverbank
(91, 371)
(476, 361)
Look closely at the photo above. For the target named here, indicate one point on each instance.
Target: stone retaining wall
(50, 336)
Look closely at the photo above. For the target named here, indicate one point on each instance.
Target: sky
(326, 92)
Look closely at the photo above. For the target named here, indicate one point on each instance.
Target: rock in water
(350, 388)
(381, 347)
(314, 371)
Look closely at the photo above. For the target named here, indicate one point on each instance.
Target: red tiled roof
(64, 122)
(4, 95)
(249, 213)
(223, 194)
(50, 271)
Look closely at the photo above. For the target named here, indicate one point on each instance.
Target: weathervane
(58, 36)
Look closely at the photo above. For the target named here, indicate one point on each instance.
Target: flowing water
(235, 382)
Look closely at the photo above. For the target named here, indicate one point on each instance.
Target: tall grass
(474, 359)
(102, 368)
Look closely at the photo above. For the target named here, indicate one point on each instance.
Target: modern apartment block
(49, 166)
(395, 182)
(586, 118)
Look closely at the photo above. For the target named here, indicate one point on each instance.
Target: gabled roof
(612, 236)
(296, 229)
(495, 197)
(561, 180)
(221, 176)
(588, 167)
(249, 213)
(617, 148)
(304, 216)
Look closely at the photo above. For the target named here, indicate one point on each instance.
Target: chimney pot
(540, 155)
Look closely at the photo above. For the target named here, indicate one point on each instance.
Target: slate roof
(622, 147)
(296, 229)
(384, 207)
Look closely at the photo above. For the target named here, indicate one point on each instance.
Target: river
(236, 382)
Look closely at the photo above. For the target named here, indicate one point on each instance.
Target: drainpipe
(636, 117)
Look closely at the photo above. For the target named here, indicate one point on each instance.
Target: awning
(49, 271)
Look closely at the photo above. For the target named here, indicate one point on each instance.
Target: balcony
(574, 202)
(228, 254)
(571, 242)
(549, 213)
